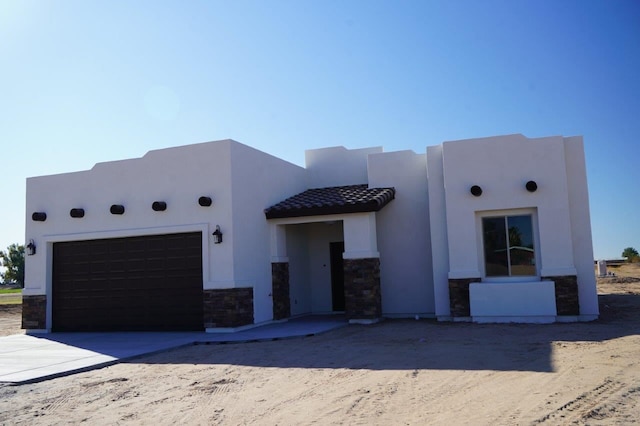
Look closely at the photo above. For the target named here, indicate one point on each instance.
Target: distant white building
(220, 236)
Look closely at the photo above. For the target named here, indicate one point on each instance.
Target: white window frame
(533, 212)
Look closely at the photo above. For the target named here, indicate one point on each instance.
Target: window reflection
(508, 246)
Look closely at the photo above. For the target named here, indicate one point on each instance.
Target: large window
(508, 246)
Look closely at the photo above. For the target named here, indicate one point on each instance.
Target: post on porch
(280, 273)
(363, 299)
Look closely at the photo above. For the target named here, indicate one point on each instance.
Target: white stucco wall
(258, 181)
(501, 166)
(241, 181)
(581, 225)
(177, 176)
(513, 302)
(428, 234)
(438, 231)
(403, 234)
(297, 246)
(337, 166)
(360, 236)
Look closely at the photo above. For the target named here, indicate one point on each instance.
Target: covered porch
(324, 253)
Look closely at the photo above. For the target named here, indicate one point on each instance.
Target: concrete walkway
(33, 358)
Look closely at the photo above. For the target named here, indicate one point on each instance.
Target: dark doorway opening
(337, 275)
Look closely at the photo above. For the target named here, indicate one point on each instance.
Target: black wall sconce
(476, 191)
(531, 186)
(117, 209)
(77, 213)
(205, 201)
(39, 216)
(217, 235)
(159, 206)
(31, 248)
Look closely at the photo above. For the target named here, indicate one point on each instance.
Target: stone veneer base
(228, 308)
(34, 312)
(567, 302)
(280, 290)
(566, 294)
(362, 295)
(459, 297)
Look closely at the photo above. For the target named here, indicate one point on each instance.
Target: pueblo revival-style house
(219, 236)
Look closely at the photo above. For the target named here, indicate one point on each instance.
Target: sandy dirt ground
(10, 320)
(393, 373)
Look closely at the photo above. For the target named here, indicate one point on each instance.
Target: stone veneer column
(459, 296)
(229, 307)
(566, 294)
(34, 312)
(280, 290)
(363, 299)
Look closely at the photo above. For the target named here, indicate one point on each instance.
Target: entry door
(337, 275)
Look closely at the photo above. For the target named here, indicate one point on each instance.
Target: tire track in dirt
(627, 400)
(580, 407)
(214, 387)
(104, 382)
(317, 387)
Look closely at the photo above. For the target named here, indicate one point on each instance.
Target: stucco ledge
(587, 317)
(361, 254)
(31, 331)
(223, 330)
(531, 319)
(365, 321)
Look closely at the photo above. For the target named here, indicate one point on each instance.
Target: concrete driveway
(33, 358)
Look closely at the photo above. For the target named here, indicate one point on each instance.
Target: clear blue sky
(87, 81)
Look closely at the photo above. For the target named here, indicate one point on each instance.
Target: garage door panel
(157, 264)
(137, 283)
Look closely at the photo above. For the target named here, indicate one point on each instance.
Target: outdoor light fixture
(205, 201)
(31, 248)
(531, 186)
(117, 209)
(476, 191)
(217, 235)
(39, 216)
(159, 206)
(77, 213)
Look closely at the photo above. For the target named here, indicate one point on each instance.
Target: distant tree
(630, 254)
(13, 260)
(515, 236)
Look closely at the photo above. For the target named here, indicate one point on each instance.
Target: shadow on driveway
(390, 345)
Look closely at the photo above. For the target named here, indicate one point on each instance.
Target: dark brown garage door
(149, 283)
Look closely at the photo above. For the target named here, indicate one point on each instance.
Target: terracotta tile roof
(332, 200)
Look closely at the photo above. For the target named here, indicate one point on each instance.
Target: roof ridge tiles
(332, 200)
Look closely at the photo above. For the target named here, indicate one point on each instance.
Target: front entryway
(314, 259)
(329, 269)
